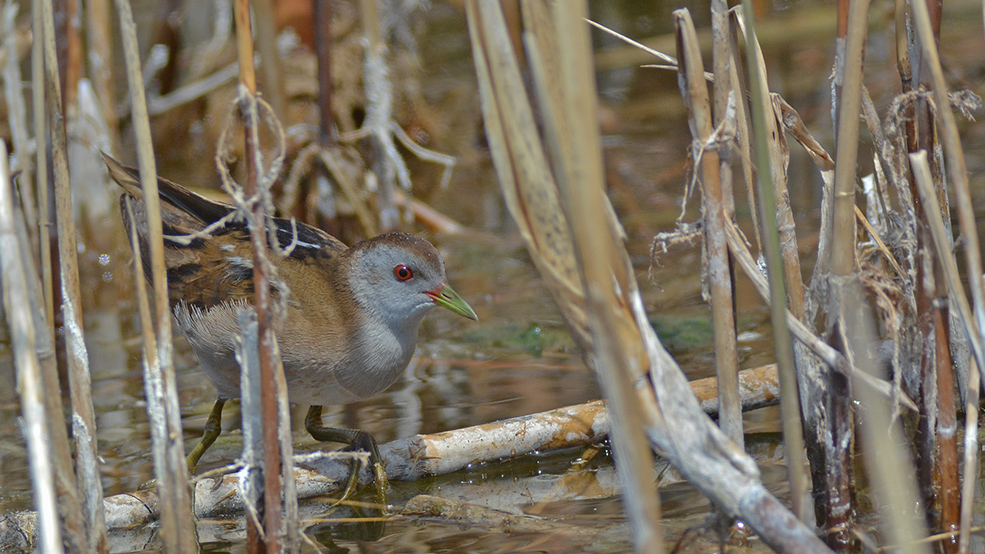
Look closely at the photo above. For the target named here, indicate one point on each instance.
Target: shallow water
(518, 359)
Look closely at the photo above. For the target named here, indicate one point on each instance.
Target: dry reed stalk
(790, 409)
(959, 302)
(825, 352)
(323, 49)
(779, 157)
(389, 166)
(68, 42)
(966, 221)
(270, 64)
(251, 407)
(17, 117)
(704, 151)
(170, 468)
(61, 449)
(83, 418)
(564, 86)
(578, 145)
(41, 164)
(843, 282)
(273, 532)
(152, 380)
(810, 381)
(932, 360)
(98, 35)
(73, 531)
(722, 63)
(29, 381)
(674, 423)
(742, 124)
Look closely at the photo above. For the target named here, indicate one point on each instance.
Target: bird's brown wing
(204, 270)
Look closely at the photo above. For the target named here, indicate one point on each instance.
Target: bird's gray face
(397, 278)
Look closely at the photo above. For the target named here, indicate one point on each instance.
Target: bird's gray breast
(374, 360)
(380, 358)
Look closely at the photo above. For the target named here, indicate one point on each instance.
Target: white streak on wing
(227, 247)
(299, 242)
(240, 261)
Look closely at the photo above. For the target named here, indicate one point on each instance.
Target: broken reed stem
(704, 152)
(957, 300)
(251, 407)
(789, 403)
(29, 382)
(269, 508)
(83, 418)
(170, 467)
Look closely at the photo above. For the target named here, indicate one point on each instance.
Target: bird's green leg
(357, 440)
(213, 427)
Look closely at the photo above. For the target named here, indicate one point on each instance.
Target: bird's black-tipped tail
(124, 176)
(174, 196)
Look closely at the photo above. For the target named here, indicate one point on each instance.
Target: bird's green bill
(446, 297)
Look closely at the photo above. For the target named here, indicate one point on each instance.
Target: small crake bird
(352, 313)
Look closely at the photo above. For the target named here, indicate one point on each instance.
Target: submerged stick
(417, 457)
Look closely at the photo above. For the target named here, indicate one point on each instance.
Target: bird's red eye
(403, 273)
